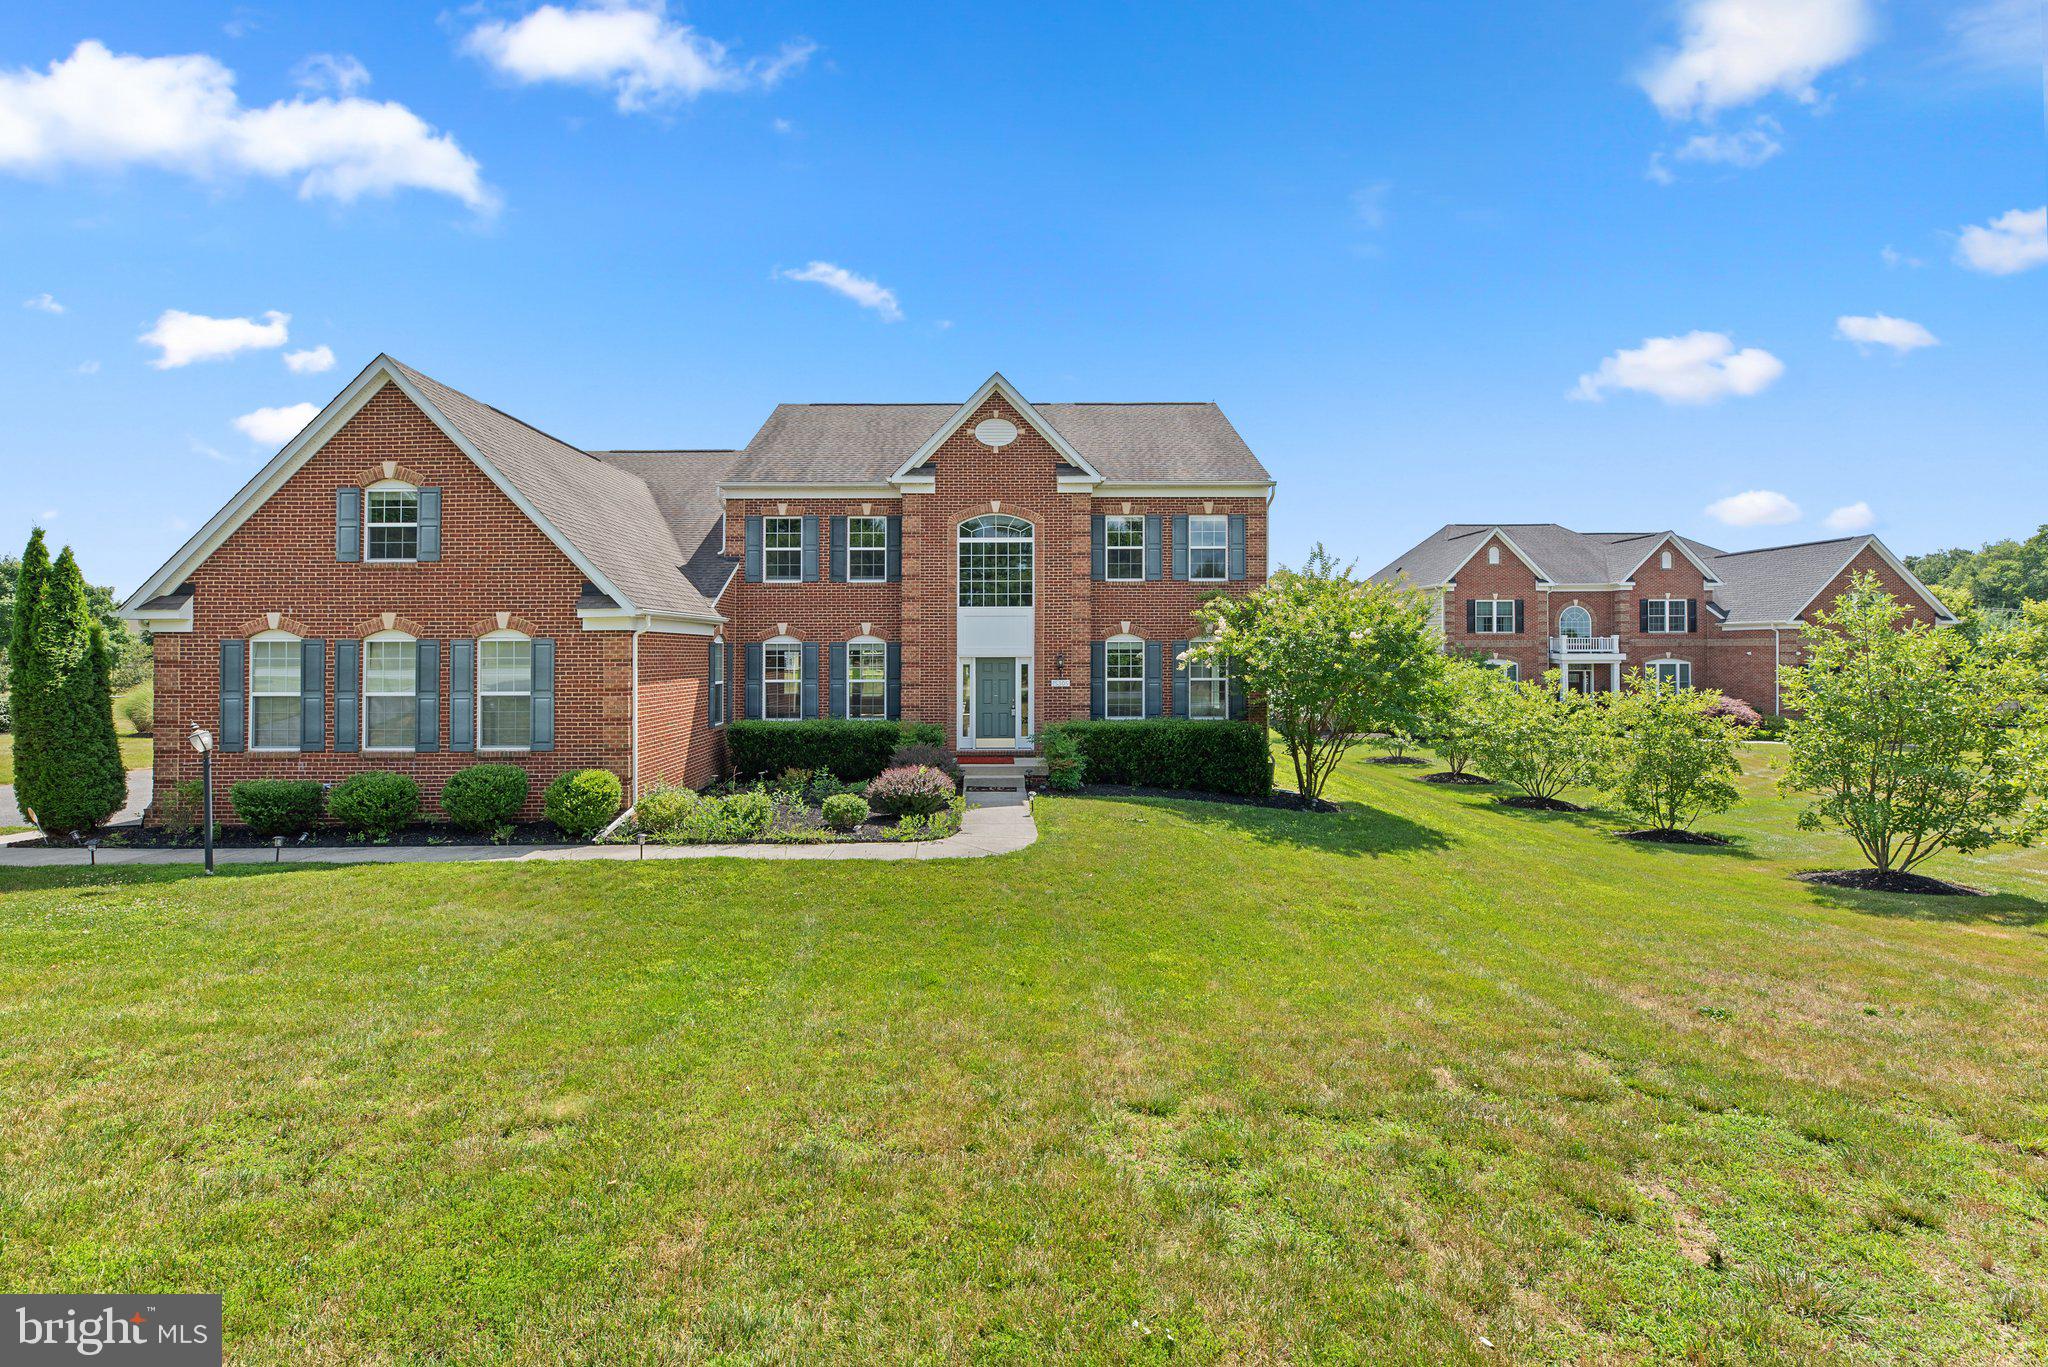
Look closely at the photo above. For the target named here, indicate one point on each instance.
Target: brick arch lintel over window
(389, 621)
(273, 621)
(390, 470)
(504, 621)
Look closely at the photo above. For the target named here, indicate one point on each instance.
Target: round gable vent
(995, 432)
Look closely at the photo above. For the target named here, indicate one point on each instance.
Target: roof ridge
(461, 394)
(1799, 545)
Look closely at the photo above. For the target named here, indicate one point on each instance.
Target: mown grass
(1182, 1080)
(135, 750)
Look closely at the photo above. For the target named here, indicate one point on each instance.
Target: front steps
(998, 782)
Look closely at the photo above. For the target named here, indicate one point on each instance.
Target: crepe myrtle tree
(1530, 737)
(1913, 740)
(1453, 705)
(1671, 756)
(1329, 655)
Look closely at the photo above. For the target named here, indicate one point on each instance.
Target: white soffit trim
(660, 623)
(1106, 489)
(1884, 553)
(996, 385)
(746, 490)
(303, 447)
(1673, 540)
(1542, 579)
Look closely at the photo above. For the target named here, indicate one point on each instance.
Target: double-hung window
(1208, 689)
(1672, 673)
(390, 693)
(1123, 545)
(504, 694)
(1123, 691)
(274, 698)
(391, 524)
(867, 680)
(867, 550)
(782, 682)
(782, 549)
(1209, 548)
(718, 649)
(1493, 616)
(1664, 615)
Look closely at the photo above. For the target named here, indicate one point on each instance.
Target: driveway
(138, 798)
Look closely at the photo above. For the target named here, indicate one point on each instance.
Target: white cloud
(88, 367)
(2000, 35)
(1882, 329)
(2014, 241)
(1700, 367)
(782, 125)
(863, 291)
(1853, 518)
(310, 362)
(200, 448)
(276, 426)
(1750, 147)
(182, 338)
(1370, 204)
(1894, 259)
(102, 109)
(1754, 508)
(47, 515)
(331, 73)
(629, 47)
(43, 303)
(1735, 52)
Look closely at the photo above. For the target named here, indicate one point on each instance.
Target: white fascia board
(996, 384)
(660, 623)
(1583, 588)
(169, 621)
(1542, 579)
(1941, 613)
(1673, 540)
(1106, 489)
(794, 491)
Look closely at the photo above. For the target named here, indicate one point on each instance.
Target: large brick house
(1533, 597)
(419, 582)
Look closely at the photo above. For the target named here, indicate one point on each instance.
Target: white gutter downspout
(1777, 666)
(637, 630)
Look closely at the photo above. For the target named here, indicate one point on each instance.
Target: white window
(1493, 555)
(1664, 561)
(718, 649)
(1665, 614)
(1509, 670)
(1576, 623)
(1123, 541)
(504, 693)
(782, 682)
(274, 700)
(1208, 689)
(390, 694)
(1123, 690)
(1676, 673)
(391, 523)
(995, 562)
(1208, 548)
(867, 680)
(867, 550)
(782, 549)
(1493, 616)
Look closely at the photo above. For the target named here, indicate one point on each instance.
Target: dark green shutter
(754, 665)
(234, 696)
(1233, 695)
(1155, 678)
(1235, 541)
(839, 678)
(893, 689)
(1098, 684)
(752, 569)
(348, 675)
(312, 695)
(348, 524)
(1642, 614)
(894, 555)
(1471, 615)
(1692, 614)
(462, 696)
(839, 553)
(809, 571)
(727, 676)
(1180, 680)
(426, 688)
(1098, 538)
(1180, 547)
(430, 524)
(1520, 625)
(543, 695)
(810, 681)
(1153, 550)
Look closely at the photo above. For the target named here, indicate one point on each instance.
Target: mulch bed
(1539, 804)
(1666, 836)
(1279, 797)
(1470, 780)
(1870, 880)
(325, 838)
(1394, 759)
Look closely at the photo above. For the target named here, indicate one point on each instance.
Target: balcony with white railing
(1585, 648)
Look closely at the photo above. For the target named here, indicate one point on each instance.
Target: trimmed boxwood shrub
(844, 811)
(374, 804)
(914, 790)
(663, 811)
(484, 797)
(1230, 757)
(582, 801)
(276, 806)
(850, 750)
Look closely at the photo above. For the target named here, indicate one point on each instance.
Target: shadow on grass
(1998, 909)
(1736, 848)
(1351, 830)
(86, 876)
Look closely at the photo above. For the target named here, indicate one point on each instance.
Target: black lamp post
(202, 741)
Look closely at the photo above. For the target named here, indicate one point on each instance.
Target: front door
(1583, 678)
(995, 701)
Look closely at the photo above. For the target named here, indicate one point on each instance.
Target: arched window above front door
(995, 562)
(1575, 622)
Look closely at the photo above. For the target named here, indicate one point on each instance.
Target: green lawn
(1182, 1080)
(135, 750)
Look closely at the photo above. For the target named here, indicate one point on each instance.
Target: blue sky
(1421, 253)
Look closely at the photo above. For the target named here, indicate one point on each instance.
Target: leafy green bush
(663, 811)
(583, 801)
(484, 797)
(844, 811)
(849, 750)
(182, 809)
(1672, 756)
(1770, 727)
(729, 820)
(138, 709)
(1064, 766)
(276, 806)
(374, 804)
(913, 790)
(1229, 757)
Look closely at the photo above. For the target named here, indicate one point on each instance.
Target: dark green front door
(995, 698)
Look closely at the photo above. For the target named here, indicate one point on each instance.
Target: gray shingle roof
(685, 487)
(1133, 443)
(1775, 583)
(608, 514)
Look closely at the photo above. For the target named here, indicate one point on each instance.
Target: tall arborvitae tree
(26, 670)
(77, 781)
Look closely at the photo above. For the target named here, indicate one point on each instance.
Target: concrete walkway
(138, 798)
(991, 828)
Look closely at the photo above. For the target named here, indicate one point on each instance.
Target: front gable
(1007, 416)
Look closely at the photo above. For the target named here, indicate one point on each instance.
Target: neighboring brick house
(1533, 597)
(418, 582)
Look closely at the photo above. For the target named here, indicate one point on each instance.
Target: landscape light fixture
(202, 741)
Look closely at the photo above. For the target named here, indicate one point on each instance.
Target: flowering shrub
(911, 790)
(1735, 710)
